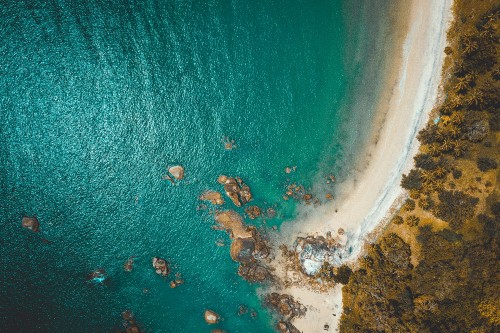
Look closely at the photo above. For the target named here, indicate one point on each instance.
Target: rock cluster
(161, 266)
(287, 308)
(254, 272)
(236, 190)
(247, 246)
(31, 223)
(130, 323)
(176, 283)
(285, 305)
(229, 144)
(252, 212)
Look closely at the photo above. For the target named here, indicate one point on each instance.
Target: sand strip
(364, 200)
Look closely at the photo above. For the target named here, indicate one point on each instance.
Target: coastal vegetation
(434, 269)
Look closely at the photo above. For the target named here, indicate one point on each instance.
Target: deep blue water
(98, 98)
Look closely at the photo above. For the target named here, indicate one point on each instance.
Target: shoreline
(366, 198)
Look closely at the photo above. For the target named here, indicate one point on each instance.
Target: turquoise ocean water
(97, 98)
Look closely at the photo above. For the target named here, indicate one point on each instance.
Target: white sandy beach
(364, 201)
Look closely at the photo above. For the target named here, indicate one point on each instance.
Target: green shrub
(457, 174)
(397, 220)
(455, 207)
(412, 181)
(485, 164)
(425, 161)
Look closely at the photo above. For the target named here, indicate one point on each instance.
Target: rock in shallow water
(211, 317)
(253, 212)
(161, 266)
(177, 172)
(287, 327)
(97, 277)
(31, 223)
(129, 265)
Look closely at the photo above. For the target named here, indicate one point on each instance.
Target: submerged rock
(97, 277)
(253, 212)
(218, 330)
(211, 317)
(31, 223)
(271, 212)
(161, 266)
(287, 327)
(177, 172)
(130, 323)
(176, 283)
(214, 197)
(129, 265)
(242, 309)
(229, 144)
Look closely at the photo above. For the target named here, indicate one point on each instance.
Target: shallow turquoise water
(98, 98)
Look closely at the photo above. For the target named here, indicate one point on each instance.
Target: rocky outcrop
(247, 246)
(233, 223)
(285, 305)
(161, 266)
(236, 190)
(211, 317)
(177, 172)
(214, 197)
(313, 252)
(176, 283)
(31, 223)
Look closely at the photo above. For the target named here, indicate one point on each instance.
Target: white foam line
(427, 94)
